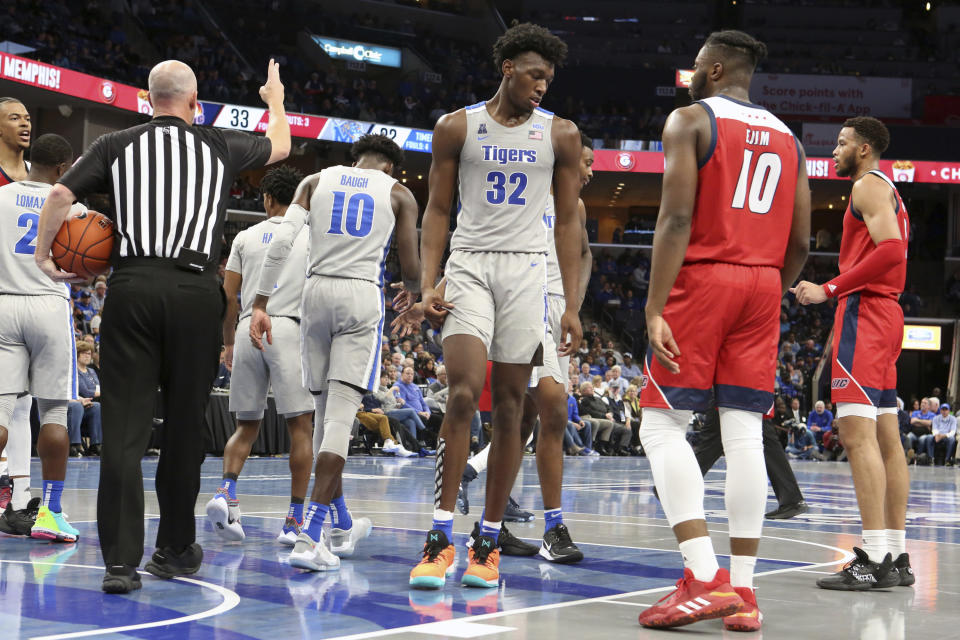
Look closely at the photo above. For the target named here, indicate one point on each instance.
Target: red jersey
(5, 179)
(745, 188)
(856, 244)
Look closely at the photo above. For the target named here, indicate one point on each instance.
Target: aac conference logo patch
(625, 161)
(108, 92)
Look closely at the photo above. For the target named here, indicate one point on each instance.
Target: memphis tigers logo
(840, 383)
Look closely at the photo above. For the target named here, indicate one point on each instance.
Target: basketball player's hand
(272, 90)
(809, 293)
(661, 341)
(408, 322)
(49, 267)
(259, 325)
(435, 308)
(228, 357)
(569, 328)
(404, 299)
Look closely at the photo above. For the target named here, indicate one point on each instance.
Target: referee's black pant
(161, 327)
(710, 447)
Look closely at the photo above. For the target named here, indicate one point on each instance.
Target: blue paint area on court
(53, 589)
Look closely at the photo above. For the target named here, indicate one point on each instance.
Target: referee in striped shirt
(169, 184)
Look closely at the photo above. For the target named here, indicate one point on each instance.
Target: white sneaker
(225, 517)
(389, 446)
(405, 453)
(313, 556)
(343, 542)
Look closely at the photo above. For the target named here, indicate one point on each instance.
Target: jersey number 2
(359, 214)
(25, 245)
(761, 183)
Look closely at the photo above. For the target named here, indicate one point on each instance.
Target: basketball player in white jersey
(546, 397)
(15, 129)
(505, 152)
(352, 213)
(277, 366)
(37, 350)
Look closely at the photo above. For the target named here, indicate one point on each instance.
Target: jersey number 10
(762, 185)
(359, 214)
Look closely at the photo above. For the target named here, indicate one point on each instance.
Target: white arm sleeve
(280, 246)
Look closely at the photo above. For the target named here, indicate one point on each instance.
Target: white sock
(896, 542)
(441, 515)
(875, 544)
(698, 556)
(21, 493)
(479, 461)
(741, 571)
(3, 466)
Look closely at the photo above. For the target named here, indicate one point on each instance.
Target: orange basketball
(84, 244)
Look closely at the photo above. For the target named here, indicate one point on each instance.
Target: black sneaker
(559, 547)
(513, 512)
(6, 490)
(902, 566)
(167, 563)
(860, 574)
(511, 545)
(121, 579)
(19, 522)
(787, 511)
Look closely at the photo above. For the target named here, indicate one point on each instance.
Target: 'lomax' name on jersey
(29, 201)
(354, 181)
(503, 155)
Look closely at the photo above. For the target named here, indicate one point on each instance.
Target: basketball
(84, 244)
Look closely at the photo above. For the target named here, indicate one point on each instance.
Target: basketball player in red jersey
(731, 236)
(867, 334)
(15, 128)
(14, 140)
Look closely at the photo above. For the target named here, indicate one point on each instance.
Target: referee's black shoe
(121, 578)
(167, 563)
(558, 546)
(787, 511)
(862, 574)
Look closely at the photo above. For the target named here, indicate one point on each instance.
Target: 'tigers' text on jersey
(503, 155)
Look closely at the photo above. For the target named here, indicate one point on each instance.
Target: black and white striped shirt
(169, 183)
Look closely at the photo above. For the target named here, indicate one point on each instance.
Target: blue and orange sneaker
(291, 529)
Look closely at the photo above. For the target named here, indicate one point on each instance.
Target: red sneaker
(749, 617)
(694, 601)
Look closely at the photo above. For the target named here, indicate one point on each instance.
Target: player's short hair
(871, 131)
(738, 44)
(586, 140)
(7, 99)
(49, 150)
(281, 183)
(377, 144)
(521, 38)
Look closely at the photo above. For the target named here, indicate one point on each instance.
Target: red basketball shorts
(867, 336)
(725, 319)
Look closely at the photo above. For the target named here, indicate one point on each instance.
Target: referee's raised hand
(272, 90)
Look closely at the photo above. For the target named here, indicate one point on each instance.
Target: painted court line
(230, 600)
